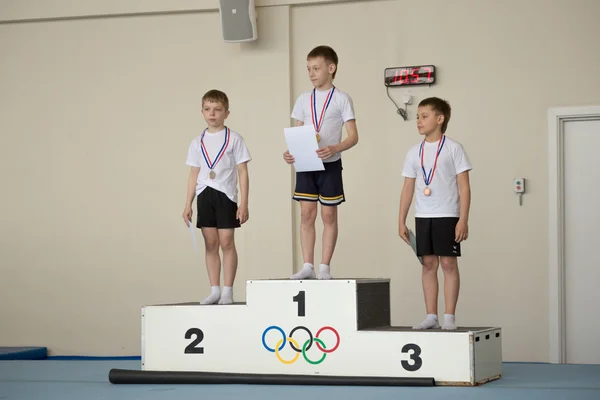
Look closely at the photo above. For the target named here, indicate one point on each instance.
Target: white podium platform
(336, 328)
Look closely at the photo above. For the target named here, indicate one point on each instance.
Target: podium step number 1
(337, 328)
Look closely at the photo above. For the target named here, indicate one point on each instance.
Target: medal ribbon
(313, 108)
(221, 152)
(428, 178)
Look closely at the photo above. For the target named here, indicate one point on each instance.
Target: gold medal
(428, 178)
(210, 164)
(313, 109)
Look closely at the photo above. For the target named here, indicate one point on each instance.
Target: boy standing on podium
(438, 168)
(328, 109)
(218, 158)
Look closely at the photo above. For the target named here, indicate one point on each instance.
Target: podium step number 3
(337, 328)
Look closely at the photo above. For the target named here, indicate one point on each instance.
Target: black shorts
(325, 186)
(435, 237)
(216, 210)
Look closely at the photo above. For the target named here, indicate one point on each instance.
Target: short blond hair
(439, 106)
(328, 54)
(217, 96)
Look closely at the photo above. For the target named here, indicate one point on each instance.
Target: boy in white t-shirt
(328, 109)
(438, 168)
(218, 158)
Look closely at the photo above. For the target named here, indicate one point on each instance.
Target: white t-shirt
(226, 177)
(339, 111)
(444, 200)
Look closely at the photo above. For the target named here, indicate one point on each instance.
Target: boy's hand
(325, 152)
(461, 231)
(187, 216)
(403, 232)
(288, 157)
(242, 213)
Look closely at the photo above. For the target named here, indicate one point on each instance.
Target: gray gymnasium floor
(88, 379)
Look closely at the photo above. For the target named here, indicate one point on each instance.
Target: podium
(294, 330)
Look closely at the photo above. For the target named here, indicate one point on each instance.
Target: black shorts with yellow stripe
(325, 186)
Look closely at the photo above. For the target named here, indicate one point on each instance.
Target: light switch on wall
(519, 188)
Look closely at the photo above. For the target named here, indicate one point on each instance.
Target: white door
(582, 247)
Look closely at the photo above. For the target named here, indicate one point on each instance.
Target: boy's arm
(242, 213)
(191, 187)
(286, 155)
(351, 140)
(348, 143)
(244, 183)
(409, 172)
(408, 191)
(464, 189)
(349, 116)
(191, 193)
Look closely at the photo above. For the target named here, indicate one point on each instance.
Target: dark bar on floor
(124, 376)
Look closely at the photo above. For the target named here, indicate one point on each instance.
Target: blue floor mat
(23, 353)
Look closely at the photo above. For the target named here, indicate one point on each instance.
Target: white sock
(227, 296)
(430, 322)
(449, 323)
(213, 297)
(307, 272)
(324, 272)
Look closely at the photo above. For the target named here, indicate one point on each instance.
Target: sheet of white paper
(193, 233)
(413, 243)
(302, 144)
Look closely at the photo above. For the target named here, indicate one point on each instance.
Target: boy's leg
(429, 279)
(206, 221)
(443, 239)
(430, 292)
(227, 222)
(306, 194)
(230, 264)
(331, 194)
(330, 234)
(308, 215)
(451, 289)
(430, 284)
(213, 264)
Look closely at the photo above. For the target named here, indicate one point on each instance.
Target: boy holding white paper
(327, 109)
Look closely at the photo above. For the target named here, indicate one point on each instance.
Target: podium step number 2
(337, 328)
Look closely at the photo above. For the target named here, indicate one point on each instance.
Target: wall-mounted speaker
(238, 20)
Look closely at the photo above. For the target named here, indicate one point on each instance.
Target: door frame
(557, 117)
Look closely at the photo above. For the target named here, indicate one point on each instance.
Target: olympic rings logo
(305, 347)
